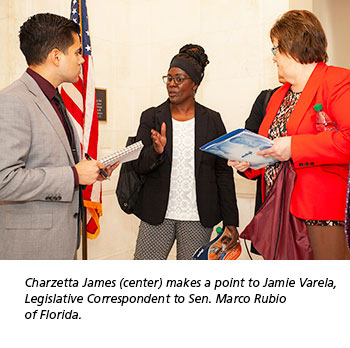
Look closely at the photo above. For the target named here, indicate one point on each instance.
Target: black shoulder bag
(129, 184)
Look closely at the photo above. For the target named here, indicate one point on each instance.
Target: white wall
(132, 44)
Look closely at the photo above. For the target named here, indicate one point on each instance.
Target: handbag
(274, 231)
(216, 249)
(129, 184)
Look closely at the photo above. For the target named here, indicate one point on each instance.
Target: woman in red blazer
(320, 155)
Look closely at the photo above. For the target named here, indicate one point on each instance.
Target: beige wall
(334, 16)
(133, 42)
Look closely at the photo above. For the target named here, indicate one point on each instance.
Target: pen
(102, 172)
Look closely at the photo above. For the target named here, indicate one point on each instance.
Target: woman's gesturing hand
(159, 139)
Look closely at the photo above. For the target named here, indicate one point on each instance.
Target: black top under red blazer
(216, 197)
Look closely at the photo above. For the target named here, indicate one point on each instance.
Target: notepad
(129, 153)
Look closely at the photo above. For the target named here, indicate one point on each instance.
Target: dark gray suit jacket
(38, 202)
(215, 190)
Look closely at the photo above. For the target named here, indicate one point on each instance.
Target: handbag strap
(266, 100)
(282, 172)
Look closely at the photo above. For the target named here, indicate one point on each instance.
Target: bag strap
(282, 172)
(266, 100)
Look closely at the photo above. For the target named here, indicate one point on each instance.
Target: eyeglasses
(274, 50)
(177, 79)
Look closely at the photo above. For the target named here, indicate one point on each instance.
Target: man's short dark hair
(43, 32)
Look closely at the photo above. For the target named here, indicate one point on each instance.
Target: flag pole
(80, 100)
(84, 235)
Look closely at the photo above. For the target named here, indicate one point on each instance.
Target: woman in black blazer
(187, 191)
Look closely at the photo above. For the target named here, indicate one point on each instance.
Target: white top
(182, 203)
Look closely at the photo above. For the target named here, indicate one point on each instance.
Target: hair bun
(196, 52)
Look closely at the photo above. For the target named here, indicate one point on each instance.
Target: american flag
(80, 100)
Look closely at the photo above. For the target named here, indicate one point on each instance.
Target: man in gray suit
(40, 166)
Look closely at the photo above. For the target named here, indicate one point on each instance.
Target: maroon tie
(68, 125)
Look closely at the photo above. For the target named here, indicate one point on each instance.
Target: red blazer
(321, 160)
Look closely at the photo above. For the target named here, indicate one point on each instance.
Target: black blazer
(216, 197)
